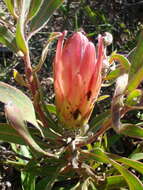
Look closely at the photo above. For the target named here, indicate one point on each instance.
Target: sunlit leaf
(133, 182)
(117, 101)
(20, 27)
(136, 59)
(51, 108)
(114, 182)
(134, 97)
(34, 7)
(124, 62)
(11, 8)
(100, 98)
(132, 131)
(19, 78)
(43, 15)
(15, 119)
(19, 110)
(9, 93)
(136, 156)
(113, 74)
(138, 166)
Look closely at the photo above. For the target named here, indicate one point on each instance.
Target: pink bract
(77, 78)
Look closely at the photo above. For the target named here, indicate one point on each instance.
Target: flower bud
(77, 78)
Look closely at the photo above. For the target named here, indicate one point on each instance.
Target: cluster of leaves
(48, 156)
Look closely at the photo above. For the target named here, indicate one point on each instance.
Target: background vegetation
(121, 18)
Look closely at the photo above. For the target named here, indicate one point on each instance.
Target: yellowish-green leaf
(11, 7)
(134, 97)
(132, 131)
(121, 59)
(20, 28)
(34, 7)
(138, 166)
(136, 59)
(102, 98)
(113, 74)
(19, 78)
(44, 13)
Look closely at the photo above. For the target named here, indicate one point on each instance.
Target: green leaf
(19, 78)
(113, 74)
(136, 70)
(134, 97)
(7, 38)
(20, 34)
(48, 182)
(138, 166)
(19, 110)
(133, 182)
(11, 8)
(100, 98)
(28, 180)
(51, 108)
(34, 7)
(96, 122)
(132, 131)
(8, 134)
(125, 64)
(114, 182)
(45, 12)
(136, 156)
(9, 93)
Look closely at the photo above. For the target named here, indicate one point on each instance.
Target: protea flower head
(77, 78)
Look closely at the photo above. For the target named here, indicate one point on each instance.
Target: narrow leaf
(138, 166)
(133, 182)
(136, 59)
(113, 74)
(51, 108)
(19, 78)
(15, 118)
(115, 182)
(132, 131)
(43, 15)
(20, 34)
(136, 156)
(11, 8)
(134, 97)
(124, 62)
(8, 134)
(34, 7)
(7, 38)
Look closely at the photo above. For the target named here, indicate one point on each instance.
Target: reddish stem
(33, 87)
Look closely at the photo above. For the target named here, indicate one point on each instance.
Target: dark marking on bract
(88, 95)
(76, 114)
